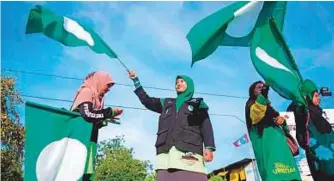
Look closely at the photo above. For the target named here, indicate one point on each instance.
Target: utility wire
(127, 85)
(69, 101)
(124, 107)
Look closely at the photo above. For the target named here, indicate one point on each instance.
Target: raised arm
(151, 103)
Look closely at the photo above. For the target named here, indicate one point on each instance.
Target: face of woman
(180, 85)
(258, 89)
(316, 99)
(105, 89)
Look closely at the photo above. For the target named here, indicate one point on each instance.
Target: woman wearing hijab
(273, 155)
(89, 101)
(315, 134)
(184, 125)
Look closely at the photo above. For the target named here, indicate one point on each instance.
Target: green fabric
(91, 161)
(59, 134)
(112, 113)
(272, 59)
(203, 105)
(205, 37)
(285, 127)
(323, 147)
(136, 82)
(273, 156)
(215, 30)
(262, 100)
(308, 88)
(212, 149)
(64, 30)
(162, 101)
(187, 94)
(90, 164)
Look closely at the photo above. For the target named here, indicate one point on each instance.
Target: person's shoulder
(195, 100)
(86, 94)
(199, 101)
(291, 107)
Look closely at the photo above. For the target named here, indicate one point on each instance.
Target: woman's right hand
(132, 74)
(117, 111)
(208, 155)
(280, 120)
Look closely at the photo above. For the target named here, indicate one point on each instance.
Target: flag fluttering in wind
(65, 30)
(241, 141)
(270, 54)
(273, 60)
(57, 144)
(233, 25)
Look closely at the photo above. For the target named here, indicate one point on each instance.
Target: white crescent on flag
(77, 30)
(62, 160)
(264, 57)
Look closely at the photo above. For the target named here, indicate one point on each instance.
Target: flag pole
(126, 68)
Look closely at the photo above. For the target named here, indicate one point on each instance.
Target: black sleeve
(301, 116)
(206, 130)
(151, 103)
(90, 115)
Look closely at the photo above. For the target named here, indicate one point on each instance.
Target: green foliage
(12, 132)
(151, 177)
(115, 162)
(217, 178)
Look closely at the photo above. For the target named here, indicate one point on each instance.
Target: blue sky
(150, 37)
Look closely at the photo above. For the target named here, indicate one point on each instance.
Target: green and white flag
(273, 60)
(57, 144)
(233, 25)
(65, 30)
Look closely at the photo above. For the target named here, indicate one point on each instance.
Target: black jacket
(186, 129)
(95, 117)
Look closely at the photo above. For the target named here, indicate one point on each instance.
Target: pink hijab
(89, 90)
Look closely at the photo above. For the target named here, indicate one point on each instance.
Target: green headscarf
(307, 89)
(187, 94)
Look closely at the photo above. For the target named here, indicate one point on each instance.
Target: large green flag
(65, 30)
(57, 144)
(233, 25)
(273, 60)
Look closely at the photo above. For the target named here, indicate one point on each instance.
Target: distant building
(239, 171)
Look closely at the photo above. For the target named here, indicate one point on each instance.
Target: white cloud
(309, 59)
(165, 33)
(36, 2)
(220, 67)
